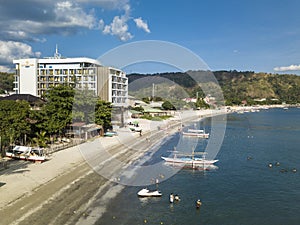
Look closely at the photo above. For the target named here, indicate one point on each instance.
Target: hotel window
(92, 78)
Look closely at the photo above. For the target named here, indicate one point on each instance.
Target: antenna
(57, 55)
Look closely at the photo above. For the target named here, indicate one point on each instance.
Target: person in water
(171, 198)
(198, 204)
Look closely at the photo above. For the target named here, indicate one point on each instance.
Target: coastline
(24, 181)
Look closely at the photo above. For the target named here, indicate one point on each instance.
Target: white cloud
(71, 15)
(34, 20)
(11, 50)
(119, 28)
(24, 23)
(141, 24)
(6, 69)
(287, 68)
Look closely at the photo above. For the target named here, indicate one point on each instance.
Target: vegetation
(15, 122)
(103, 113)
(201, 104)
(245, 87)
(6, 82)
(168, 106)
(58, 110)
(20, 125)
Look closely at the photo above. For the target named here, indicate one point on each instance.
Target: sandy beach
(65, 188)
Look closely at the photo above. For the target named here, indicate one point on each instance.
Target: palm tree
(41, 139)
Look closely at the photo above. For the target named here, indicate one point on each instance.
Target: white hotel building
(35, 76)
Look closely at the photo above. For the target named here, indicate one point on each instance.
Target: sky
(256, 35)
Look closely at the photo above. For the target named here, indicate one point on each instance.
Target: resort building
(35, 76)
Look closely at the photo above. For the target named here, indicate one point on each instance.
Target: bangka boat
(190, 161)
(26, 153)
(196, 133)
(145, 192)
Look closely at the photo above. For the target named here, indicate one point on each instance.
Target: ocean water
(242, 191)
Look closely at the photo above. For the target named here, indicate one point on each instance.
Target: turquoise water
(243, 190)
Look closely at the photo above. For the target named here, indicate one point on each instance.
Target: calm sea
(243, 190)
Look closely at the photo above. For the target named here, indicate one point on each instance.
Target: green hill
(237, 87)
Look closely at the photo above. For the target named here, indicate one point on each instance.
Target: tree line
(63, 106)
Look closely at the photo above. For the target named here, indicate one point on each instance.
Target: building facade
(35, 76)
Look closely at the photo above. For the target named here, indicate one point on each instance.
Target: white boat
(26, 153)
(190, 161)
(147, 193)
(196, 133)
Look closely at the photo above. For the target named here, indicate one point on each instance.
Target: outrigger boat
(190, 161)
(196, 133)
(26, 153)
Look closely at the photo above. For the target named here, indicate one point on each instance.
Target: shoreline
(29, 178)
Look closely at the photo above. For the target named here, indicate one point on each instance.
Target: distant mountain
(237, 86)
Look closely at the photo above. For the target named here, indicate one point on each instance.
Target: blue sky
(257, 35)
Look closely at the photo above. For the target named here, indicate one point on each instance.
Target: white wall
(28, 76)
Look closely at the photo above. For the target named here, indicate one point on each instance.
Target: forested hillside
(238, 87)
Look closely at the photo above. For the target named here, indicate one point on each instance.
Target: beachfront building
(35, 76)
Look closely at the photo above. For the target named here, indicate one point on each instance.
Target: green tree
(41, 139)
(103, 111)
(6, 82)
(84, 106)
(58, 109)
(168, 106)
(201, 104)
(14, 121)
